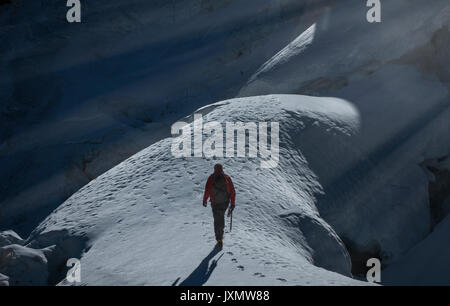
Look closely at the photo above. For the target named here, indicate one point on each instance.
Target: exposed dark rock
(438, 189)
(360, 254)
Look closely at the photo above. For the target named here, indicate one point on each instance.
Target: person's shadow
(201, 274)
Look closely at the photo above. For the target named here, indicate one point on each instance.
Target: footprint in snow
(240, 268)
(282, 280)
(259, 274)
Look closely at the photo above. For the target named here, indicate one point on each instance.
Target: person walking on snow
(219, 188)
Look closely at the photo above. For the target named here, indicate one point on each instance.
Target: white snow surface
(4, 280)
(9, 237)
(81, 99)
(24, 266)
(398, 77)
(146, 225)
(347, 170)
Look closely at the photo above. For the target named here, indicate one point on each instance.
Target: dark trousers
(218, 210)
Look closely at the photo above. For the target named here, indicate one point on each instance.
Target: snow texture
(4, 280)
(24, 266)
(353, 170)
(9, 237)
(80, 99)
(396, 73)
(146, 225)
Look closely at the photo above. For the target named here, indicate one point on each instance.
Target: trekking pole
(231, 220)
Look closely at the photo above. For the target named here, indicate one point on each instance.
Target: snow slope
(80, 98)
(397, 75)
(143, 222)
(374, 189)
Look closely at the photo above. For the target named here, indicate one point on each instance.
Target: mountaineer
(219, 188)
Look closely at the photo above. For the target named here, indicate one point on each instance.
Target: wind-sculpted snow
(145, 223)
(4, 280)
(9, 237)
(24, 266)
(341, 47)
(397, 75)
(78, 100)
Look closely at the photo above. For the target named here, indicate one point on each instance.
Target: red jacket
(209, 185)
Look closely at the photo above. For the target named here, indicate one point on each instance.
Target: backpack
(220, 188)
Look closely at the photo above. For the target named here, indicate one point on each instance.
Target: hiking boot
(219, 243)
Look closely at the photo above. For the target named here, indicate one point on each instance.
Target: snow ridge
(146, 225)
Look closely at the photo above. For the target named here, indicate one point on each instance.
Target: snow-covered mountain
(365, 174)
(142, 222)
(397, 74)
(80, 98)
